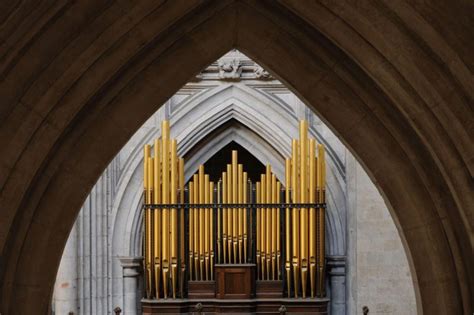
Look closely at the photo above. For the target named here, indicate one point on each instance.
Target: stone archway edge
(77, 80)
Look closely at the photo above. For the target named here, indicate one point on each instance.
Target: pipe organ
(273, 228)
(201, 227)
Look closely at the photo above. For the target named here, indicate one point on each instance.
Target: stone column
(337, 277)
(131, 290)
(65, 288)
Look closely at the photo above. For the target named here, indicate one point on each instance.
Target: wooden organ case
(234, 246)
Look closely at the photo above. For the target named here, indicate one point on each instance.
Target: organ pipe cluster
(232, 221)
(201, 228)
(305, 182)
(222, 231)
(163, 184)
(268, 236)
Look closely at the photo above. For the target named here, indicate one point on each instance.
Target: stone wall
(381, 276)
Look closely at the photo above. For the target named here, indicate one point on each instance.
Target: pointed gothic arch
(78, 82)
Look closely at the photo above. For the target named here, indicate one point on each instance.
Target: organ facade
(266, 234)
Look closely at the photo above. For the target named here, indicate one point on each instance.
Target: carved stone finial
(198, 77)
(229, 69)
(261, 73)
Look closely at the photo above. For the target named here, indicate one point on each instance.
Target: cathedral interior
(236, 156)
(251, 112)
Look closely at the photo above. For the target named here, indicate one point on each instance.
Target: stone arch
(405, 115)
(244, 131)
(127, 217)
(129, 235)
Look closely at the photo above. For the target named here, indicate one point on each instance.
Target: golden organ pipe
(191, 230)
(234, 200)
(295, 217)
(148, 252)
(206, 228)
(273, 223)
(263, 226)
(145, 221)
(318, 229)
(245, 200)
(219, 222)
(224, 217)
(268, 220)
(229, 214)
(201, 223)
(278, 236)
(240, 217)
(181, 226)
(197, 275)
(211, 230)
(146, 155)
(288, 225)
(157, 217)
(165, 211)
(304, 211)
(259, 200)
(312, 217)
(150, 219)
(174, 218)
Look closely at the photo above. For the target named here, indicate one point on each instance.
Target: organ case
(234, 224)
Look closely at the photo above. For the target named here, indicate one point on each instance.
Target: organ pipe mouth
(190, 228)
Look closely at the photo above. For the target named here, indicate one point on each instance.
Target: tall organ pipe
(191, 230)
(157, 217)
(165, 198)
(288, 225)
(211, 231)
(258, 228)
(224, 218)
(181, 227)
(174, 218)
(312, 217)
(244, 213)
(148, 229)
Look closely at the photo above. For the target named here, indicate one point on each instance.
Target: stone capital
(131, 265)
(336, 265)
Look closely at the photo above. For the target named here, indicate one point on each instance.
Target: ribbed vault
(393, 80)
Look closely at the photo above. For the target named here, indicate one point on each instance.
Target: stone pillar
(131, 290)
(336, 266)
(65, 290)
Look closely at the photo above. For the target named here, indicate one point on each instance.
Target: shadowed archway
(78, 79)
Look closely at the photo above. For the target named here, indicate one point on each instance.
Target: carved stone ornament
(229, 69)
(261, 73)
